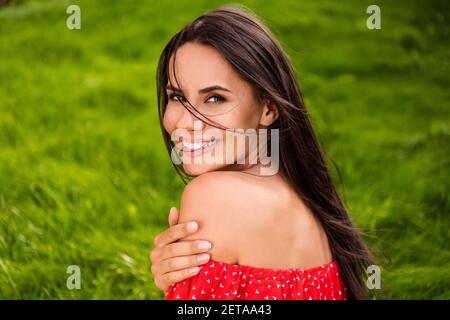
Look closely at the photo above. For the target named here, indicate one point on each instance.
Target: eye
(216, 99)
(176, 97)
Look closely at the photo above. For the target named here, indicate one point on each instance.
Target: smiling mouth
(195, 146)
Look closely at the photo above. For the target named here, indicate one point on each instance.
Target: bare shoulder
(227, 195)
(224, 204)
(221, 190)
(253, 221)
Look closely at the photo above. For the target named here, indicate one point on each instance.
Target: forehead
(198, 66)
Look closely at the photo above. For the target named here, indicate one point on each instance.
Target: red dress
(223, 281)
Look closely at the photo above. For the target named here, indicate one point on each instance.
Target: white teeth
(196, 146)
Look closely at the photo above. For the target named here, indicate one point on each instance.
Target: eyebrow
(204, 90)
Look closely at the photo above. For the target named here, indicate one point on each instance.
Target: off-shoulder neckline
(263, 269)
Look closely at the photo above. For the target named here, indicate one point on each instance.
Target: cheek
(251, 117)
(244, 117)
(169, 120)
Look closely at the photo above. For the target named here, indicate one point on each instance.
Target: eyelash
(172, 97)
(176, 97)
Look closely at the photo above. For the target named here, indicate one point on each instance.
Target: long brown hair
(255, 54)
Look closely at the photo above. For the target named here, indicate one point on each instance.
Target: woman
(278, 228)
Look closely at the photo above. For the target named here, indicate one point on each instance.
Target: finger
(183, 248)
(174, 233)
(177, 276)
(180, 263)
(173, 216)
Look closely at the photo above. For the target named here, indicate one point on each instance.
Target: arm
(173, 260)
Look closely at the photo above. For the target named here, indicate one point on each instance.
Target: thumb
(173, 216)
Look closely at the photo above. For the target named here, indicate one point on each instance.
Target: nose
(188, 121)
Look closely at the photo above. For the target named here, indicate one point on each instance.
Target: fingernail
(192, 226)
(203, 257)
(194, 270)
(204, 245)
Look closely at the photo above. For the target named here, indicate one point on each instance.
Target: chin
(194, 170)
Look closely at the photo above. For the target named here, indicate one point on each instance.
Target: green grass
(85, 179)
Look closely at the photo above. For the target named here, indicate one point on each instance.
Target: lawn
(85, 179)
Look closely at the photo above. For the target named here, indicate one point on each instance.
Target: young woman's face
(211, 85)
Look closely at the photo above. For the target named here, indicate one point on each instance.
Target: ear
(270, 113)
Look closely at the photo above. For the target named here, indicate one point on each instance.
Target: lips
(194, 146)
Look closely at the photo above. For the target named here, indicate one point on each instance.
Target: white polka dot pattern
(222, 281)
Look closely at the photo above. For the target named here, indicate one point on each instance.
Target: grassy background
(85, 179)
